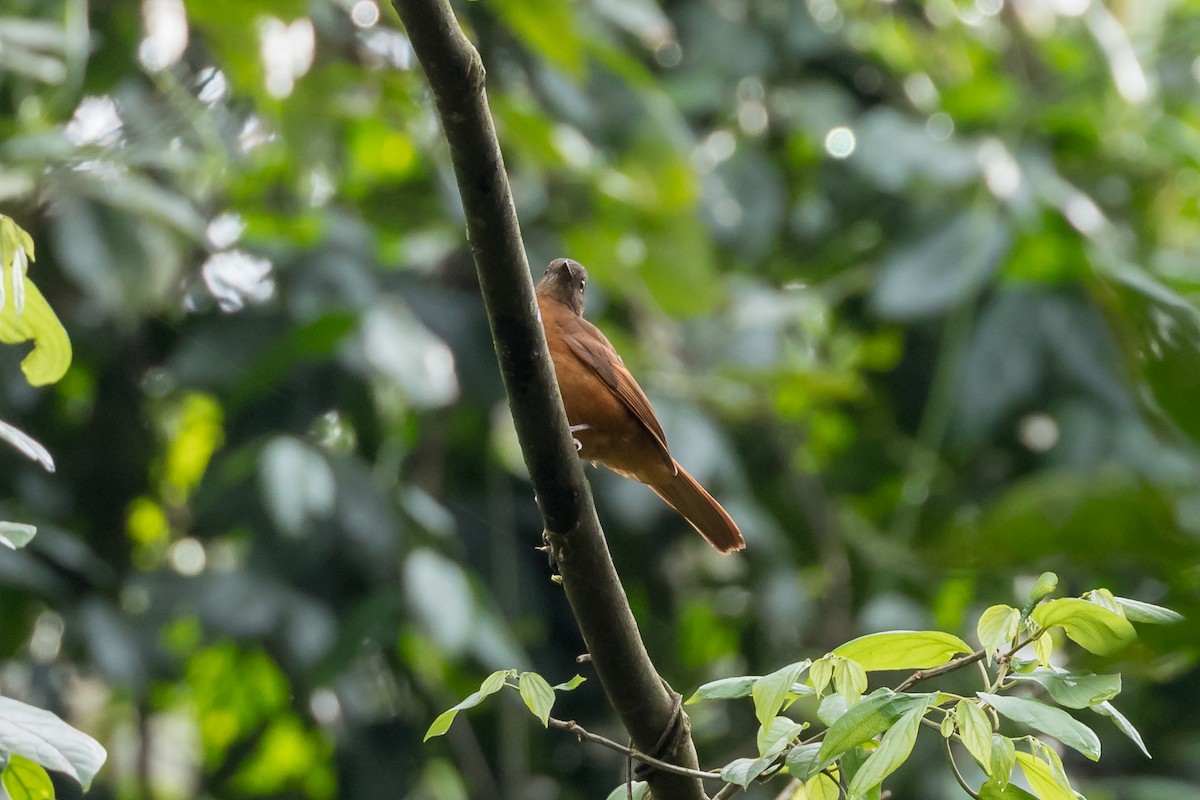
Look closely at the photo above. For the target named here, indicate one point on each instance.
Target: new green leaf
(770, 691)
(975, 730)
(821, 787)
(491, 684)
(1042, 779)
(1089, 625)
(872, 716)
(1137, 611)
(26, 780)
(537, 694)
(997, 628)
(903, 650)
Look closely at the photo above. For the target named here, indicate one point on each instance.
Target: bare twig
(571, 726)
(647, 706)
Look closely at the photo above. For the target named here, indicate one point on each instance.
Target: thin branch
(966, 787)
(647, 706)
(933, 672)
(571, 726)
(729, 791)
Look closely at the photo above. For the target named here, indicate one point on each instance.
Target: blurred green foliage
(912, 285)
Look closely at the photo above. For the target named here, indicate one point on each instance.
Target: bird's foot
(576, 429)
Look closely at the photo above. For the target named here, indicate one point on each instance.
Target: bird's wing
(597, 353)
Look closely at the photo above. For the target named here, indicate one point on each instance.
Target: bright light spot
(254, 133)
(364, 13)
(225, 229)
(826, 14)
(1039, 432)
(1070, 8)
(572, 145)
(921, 91)
(940, 126)
(236, 278)
(47, 637)
(840, 142)
(390, 47)
(1083, 214)
(286, 52)
(320, 188)
(750, 88)
(1000, 169)
(165, 23)
(187, 557)
(728, 212)
(213, 85)
(631, 250)
(668, 54)
(325, 707)
(95, 121)
(1127, 72)
(989, 8)
(720, 146)
(752, 117)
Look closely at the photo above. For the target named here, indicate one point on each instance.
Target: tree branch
(571, 726)
(648, 707)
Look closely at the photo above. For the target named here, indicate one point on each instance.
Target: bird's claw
(576, 429)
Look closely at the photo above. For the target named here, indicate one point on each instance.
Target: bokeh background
(912, 284)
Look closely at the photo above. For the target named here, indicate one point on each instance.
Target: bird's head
(564, 281)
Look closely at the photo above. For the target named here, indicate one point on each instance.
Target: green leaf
(743, 771)
(1107, 709)
(821, 674)
(24, 779)
(537, 694)
(997, 628)
(491, 684)
(849, 679)
(821, 787)
(1043, 647)
(725, 689)
(894, 749)
(1046, 583)
(903, 650)
(1051, 721)
(45, 739)
(37, 322)
(1042, 779)
(994, 791)
(975, 729)
(1089, 625)
(1004, 759)
(1137, 611)
(1075, 690)
(872, 716)
(15, 535)
(773, 738)
(804, 761)
(640, 791)
(771, 691)
(569, 685)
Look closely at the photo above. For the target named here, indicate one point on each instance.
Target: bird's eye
(581, 285)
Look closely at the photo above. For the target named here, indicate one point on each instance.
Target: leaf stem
(966, 787)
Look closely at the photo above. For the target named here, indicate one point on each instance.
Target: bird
(611, 420)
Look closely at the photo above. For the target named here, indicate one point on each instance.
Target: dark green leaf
(894, 749)
(725, 689)
(771, 691)
(1048, 720)
(1076, 690)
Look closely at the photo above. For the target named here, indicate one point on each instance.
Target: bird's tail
(699, 508)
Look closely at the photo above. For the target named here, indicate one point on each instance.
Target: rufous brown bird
(610, 417)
